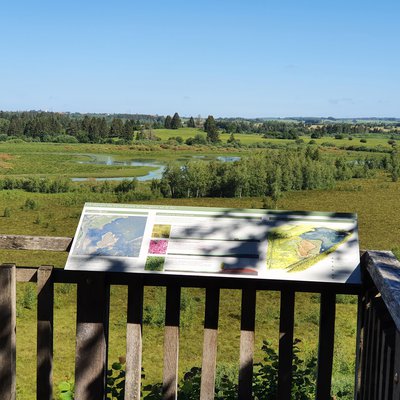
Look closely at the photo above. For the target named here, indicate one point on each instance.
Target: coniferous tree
(167, 122)
(128, 131)
(117, 128)
(211, 128)
(191, 123)
(176, 121)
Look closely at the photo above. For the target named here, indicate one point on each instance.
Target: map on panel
(261, 244)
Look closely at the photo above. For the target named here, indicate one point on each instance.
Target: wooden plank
(384, 270)
(389, 373)
(366, 349)
(7, 332)
(91, 336)
(286, 327)
(134, 341)
(382, 370)
(26, 274)
(209, 363)
(226, 282)
(171, 343)
(371, 360)
(326, 343)
(247, 342)
(360, 343)
(376, 363)
(45, 302)
(396, 368)
(22, 242)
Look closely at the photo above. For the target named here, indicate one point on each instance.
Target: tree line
(263, 174)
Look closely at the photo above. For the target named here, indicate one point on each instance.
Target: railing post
(247, 338)
(93, 296)
(286, 326)
(208, 369)
(134, 341)
(45, 302)
(171, 343)
(396, 372)
(326, 343)
(7, 332)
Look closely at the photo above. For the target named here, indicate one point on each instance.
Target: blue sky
(226, 58)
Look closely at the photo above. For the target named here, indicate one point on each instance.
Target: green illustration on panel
(295, 248)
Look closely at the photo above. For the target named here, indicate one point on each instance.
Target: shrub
(7, 212)
(125, 186)
(30, 204)
(265, 380)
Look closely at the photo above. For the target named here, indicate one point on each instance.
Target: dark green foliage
(176, 122)
(116, 380)
(191, 123)
(394, 166)
(233, 140)
(125, 186)
(212, 130)
(277, 172)
(265, 379)
(30, 204)
(167, 122)
(175, 140)
(37, 185)
(198, 139)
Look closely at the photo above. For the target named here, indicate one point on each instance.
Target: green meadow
(374, 200)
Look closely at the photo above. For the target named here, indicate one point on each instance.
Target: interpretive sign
(263, 244)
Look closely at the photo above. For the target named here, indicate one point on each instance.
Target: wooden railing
(378, 337)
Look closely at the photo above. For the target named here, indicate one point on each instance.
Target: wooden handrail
(384, 270)
(24, 242)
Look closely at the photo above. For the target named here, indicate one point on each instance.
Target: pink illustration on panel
(158, 246)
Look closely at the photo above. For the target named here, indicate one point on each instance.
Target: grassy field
(375, 201)
(251, 138)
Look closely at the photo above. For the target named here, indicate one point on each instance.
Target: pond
(158, 167)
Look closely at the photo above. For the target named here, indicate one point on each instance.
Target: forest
(124, 128)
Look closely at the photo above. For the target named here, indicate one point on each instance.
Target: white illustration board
(258, 244)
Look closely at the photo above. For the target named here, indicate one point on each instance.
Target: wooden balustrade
(378, 338)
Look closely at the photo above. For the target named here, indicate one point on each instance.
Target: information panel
(261, 244)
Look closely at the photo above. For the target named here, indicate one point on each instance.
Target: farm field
(375, 200)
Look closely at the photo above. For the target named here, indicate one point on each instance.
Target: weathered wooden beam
(7, 332)
(134, 341)
(171, 343)
(45, 301)
(396, 368)
(25, 274)
(22, 242)
(286, 326)
(208, 370)
(326, 343)
(93, 296)
(384, 269)
(247, 338)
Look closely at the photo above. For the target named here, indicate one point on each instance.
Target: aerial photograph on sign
(262, 244)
